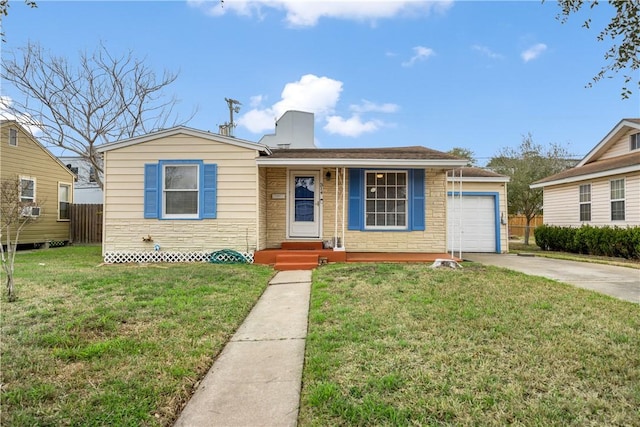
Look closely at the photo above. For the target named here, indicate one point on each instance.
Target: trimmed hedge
(602, 241)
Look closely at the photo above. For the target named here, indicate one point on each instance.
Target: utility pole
(234, 107)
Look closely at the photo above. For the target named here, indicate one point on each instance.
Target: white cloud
(8, 113)
(352, 127)
(318, 95)
(370, 107)
(484, 50)
(256, 101)
(421, 54)
(533, 52)
(308, 13)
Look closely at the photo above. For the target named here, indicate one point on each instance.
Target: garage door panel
(471, 223)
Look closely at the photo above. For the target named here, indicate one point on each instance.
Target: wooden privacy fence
(517, 224)
(86, 223)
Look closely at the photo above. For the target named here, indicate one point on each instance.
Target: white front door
(304, 204)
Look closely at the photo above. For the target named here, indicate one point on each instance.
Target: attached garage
(477, 211)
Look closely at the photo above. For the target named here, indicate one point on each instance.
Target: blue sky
(478, 75)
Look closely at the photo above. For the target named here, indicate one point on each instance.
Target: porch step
(301, 246)
(296, 261)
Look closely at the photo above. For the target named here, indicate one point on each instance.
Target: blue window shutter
(356, 203)
(151, 190)
(416, 177)
(209, 191)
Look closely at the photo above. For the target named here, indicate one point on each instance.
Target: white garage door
(478, 224)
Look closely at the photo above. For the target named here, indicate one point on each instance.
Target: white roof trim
(479, 179)
(266, 161)
(182, 130)
(595, 175)
(606, 139)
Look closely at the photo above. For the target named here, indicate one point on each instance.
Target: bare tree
(101, 99)
(15, 214)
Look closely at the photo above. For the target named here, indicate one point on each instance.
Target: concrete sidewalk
(256, 380)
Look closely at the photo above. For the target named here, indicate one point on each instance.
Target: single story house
(603, 189)
(46, 185)
(86, 189)
(181, 193)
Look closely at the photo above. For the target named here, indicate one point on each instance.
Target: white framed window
(27, 189)
(92, 174)
(617, 200)
(13, 137)
(64, 201)
(386, 200)
(180, 190)
(634, 141)
(73, 169)
(585, 202)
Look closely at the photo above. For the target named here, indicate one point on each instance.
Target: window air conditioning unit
(33, 211)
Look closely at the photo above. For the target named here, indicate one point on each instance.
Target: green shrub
(623, 242)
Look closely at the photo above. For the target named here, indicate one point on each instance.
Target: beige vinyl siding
(620, 147)
(30, 159)
(561, 202)
(235, 226)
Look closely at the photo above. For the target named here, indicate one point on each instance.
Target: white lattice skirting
(158, 256)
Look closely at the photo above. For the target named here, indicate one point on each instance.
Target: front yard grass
(92, 344)
(394, 344)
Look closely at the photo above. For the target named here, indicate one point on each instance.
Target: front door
(304, 205)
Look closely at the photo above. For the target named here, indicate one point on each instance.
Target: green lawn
(408, 345)
(92, 344)
(388, 344)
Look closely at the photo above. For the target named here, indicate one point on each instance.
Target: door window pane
(304, 203)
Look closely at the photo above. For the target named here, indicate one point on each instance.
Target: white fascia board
(612, 133)
(603, 174)
(360, 163)
(184, 131)
(479, 179)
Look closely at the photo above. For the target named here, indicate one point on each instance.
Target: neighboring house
(86, 188)
(603, 188)
(182, 193)
(46, 184)
(477, 221)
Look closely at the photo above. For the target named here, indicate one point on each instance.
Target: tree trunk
(11, 296)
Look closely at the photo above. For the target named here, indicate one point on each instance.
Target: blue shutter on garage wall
(356, 204)
(151, 184)
(209, 191)
(416, 179)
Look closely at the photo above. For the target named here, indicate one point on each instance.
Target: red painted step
(296, 261)
(305, 246)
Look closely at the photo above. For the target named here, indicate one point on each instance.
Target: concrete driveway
(618, 282)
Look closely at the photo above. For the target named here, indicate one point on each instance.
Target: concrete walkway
(618, 282)
(256, 380)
